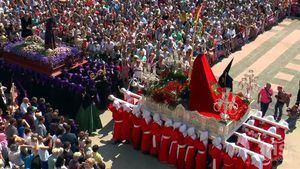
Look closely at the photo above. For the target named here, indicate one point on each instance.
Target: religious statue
(49, 34)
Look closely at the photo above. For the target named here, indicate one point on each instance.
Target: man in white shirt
(25, 104)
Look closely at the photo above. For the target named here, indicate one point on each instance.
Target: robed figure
(26, 24)
(49, 34)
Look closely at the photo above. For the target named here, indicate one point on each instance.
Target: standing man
(265, 98)
(279, 103)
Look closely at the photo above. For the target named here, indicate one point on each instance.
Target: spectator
(293, 115)
(11, 129)
(41, 130)
(60, 163)
(53, 158)
(67, 153)
(25, 104)
(74, 163)
(70, 137)
(97, 157)
(279, 104)
(265, 98)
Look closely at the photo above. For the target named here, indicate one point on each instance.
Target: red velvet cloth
(204, 91)
(202, 97)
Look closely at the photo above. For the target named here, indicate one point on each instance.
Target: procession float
(194, 106)
(30, 53)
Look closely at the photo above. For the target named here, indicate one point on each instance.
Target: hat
(146, 113)
(243, 154)
(259, 113)
(256, 161)
(191, 131)
(230, 149)
(242, 139)
(284, 123)
(270, 117)
(250, 122)
(136, 110)
(176, 124)
(116, 104)
(217, 141)
(204, 135)
(272, 129)
(168, 123)
(126, 107)
(156, 117)
(182, 128)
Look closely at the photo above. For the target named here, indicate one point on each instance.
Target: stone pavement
(274, 56)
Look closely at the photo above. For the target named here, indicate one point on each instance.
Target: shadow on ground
(123, 156)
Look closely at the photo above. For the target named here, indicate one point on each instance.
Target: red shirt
(265, 95)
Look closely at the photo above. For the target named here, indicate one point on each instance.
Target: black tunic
(25, 24)
(49, 34)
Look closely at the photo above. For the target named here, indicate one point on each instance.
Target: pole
(193, 41)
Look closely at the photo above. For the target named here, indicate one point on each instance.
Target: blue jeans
(278, 109)
(263, 108)
(44, 164)
(291, 122)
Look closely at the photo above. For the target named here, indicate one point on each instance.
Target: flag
(225, 80)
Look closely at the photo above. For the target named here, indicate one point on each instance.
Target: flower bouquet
(32, 48)
(172, 89)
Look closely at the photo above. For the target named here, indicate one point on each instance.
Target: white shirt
(44, 154)
(23, 107)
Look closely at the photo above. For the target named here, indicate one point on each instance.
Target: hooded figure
(249, 131)
(243, 141)
(256, 162)
(201, 146)
(136, 133)
(228, 157)
(215, 151)
(156, 134)
(266, 150)
(127, 122)
(190, 154)
(174, 144)
(146, 135)
(279, 143)
(242, 160)
(166, 133)
(115, 108)
(181, 149)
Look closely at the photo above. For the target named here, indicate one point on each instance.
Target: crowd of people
(149, 30)
(33, 135)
